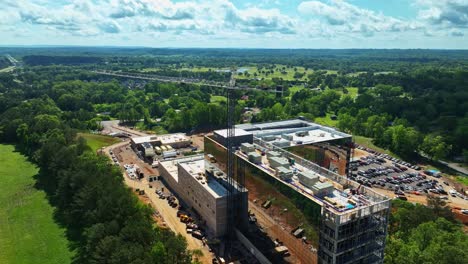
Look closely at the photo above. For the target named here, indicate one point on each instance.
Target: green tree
(435, 147)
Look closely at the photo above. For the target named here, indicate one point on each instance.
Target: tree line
(105, 222)
(424, 234)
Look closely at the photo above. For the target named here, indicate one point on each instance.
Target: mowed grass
(28, 233)
(96, 141)
(462, 179)
(326, 120)
(218, 99)
(352, 92)
(367, 142)
(278, 72)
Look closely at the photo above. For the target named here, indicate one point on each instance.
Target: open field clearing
(96, 142)
(218, 99)
(326, 120)
(28, 233)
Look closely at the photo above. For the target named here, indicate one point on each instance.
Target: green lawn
(28, 233)
(462, 179)
(352, 91)
(96, 141)
(218, 99)
(367, 142)
(295, 89)
(278, 71)
(326, 120)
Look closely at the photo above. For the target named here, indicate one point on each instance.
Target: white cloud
(344, 17)
(447, 13)
(190, 20)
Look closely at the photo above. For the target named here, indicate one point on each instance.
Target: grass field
(462, 179)
(352, 91)
(28, 233)
(367, 142)
(295, 89)
(218, 99)
(277, 71)
(326, 120)
(96, 141)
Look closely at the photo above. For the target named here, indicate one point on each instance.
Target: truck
(298, 232)
(158, 150)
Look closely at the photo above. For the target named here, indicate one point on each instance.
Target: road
(113, 126)
(126, 156)
(458, 167)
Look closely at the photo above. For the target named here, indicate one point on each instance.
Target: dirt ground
(300, 252)
(279, 224)
(197, 141)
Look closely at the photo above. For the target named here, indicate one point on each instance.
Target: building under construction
(352, 219)
(204, 188)
(302, 159)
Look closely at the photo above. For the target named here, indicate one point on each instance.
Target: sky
(288, 24)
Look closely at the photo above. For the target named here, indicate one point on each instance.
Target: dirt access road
(113, 126)
(125, 155)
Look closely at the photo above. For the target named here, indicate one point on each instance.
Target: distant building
(178, 140)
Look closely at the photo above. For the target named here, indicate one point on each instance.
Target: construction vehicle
(266, 204)
(297, 232)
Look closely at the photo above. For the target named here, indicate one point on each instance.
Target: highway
(180, 80)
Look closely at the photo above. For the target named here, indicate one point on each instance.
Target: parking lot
(383, 171)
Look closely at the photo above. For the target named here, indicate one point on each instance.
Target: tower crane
(233, 178)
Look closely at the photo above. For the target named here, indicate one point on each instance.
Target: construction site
(350, 219)
(274, 192)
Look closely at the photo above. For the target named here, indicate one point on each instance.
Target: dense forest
(105, 222)
(352, 60)
(4, 62)
(424, 234)
(417, 110)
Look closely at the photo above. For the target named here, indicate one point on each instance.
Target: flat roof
(281, 160)
(164, 139)
(237, 132)
(196, 169)
(171, 167)
(342, 197)
(314, 132)
(283, 169)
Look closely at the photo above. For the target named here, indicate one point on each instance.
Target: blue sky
(439, 24)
